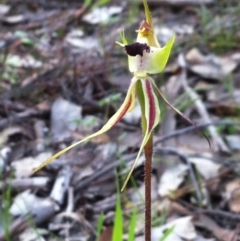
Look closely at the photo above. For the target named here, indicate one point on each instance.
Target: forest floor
(62, 76)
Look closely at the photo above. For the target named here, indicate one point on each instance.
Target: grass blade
(100, 225)
(118, 219)
(131, 231)
(167, 233)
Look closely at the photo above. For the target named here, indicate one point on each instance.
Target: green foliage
(231, 130)
(87, 3)
(184, 105)
(102, 2)
(205, 15)
(131, 231)
(110, 99)
(118, 219)
(216, 33)
(100, 225)
(98, 3)
(123, 167)
(9, 73)
(167, 233)
(133, 11)
(229, 84)
(86, 122)
(200, 202)
(5, 216)
(228, 129)
(119, 222)
(160, 220)
(25, 39)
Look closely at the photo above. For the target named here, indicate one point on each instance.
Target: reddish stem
(148, 149)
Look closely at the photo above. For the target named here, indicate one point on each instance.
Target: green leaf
(124, 40)
(131, 231)
(118, 220)
(100, 225)
(110, 99)
(24, 38)
(167, 233)
(87, 3)
(102, 2)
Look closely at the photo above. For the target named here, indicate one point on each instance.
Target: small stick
(218, 141)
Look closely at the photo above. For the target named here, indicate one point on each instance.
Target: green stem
(148, 149)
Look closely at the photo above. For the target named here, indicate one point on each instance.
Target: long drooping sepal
(176, 110)
(151, 111)
(127, 106)
(152, 61)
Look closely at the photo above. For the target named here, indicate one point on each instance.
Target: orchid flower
(145, 57)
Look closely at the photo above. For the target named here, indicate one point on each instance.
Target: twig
(98, 174)
(193, 128)
(5, 154)
(20, 117)
(24, 183)
(109, 168)
(70, 201)
(39, 126)
(190, 188)
(48, 206)
(181, 2)
(217, 140)
(61, 185)
(228, 215)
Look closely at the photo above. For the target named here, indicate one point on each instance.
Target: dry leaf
(171, 179)
(24, 167)
(183, 230)
(100, 15)
(232, 193)
(210, 225)
(210, 66)
(207, 168)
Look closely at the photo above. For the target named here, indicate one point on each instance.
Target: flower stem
(148, 149)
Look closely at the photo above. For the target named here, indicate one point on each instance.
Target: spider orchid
(145, 57)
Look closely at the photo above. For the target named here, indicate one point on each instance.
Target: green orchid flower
(145, 57)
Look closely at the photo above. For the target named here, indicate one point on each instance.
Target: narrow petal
(178, 111)
(122, 36)
(127, 106)
(152, 116)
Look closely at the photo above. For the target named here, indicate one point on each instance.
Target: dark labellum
(136, 49)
